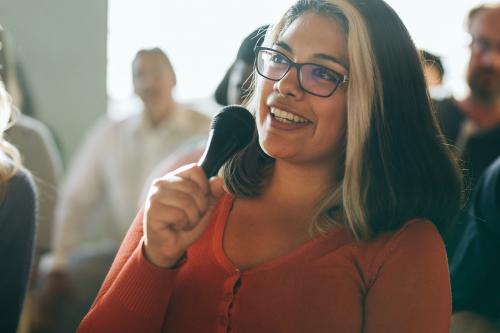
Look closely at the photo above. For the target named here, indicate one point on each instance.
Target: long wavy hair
(396, 164)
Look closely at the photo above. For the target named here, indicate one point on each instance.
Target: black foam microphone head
(231, 130)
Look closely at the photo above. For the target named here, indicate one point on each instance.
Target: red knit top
(397, 282)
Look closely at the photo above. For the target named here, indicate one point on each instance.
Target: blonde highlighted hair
(396, 164)
(9, 156)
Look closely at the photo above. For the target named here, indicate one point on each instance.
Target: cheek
(333, 126)
(263, 88)
(474, 62)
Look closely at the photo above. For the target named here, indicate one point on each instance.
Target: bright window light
(202, 37)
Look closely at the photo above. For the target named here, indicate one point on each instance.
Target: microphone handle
(219, 149)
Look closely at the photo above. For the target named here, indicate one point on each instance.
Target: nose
(289, 84)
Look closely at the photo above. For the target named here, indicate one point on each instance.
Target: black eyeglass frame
(297, 66)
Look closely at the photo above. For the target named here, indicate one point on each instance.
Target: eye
(324, 74)
(278, 58)
(481, 45)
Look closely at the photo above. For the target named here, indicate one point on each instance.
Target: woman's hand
(177, 211)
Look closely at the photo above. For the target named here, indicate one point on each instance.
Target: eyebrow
(322, 56)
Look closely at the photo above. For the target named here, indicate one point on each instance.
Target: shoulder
(107, 123)
(191, 111)
(450, 118)
(486, 205)
(192, 118)
(447, 110)
(446, 105)
(417, 243)
(415, 237)
(21, 184)
(106, 127)
(408, 288)
(492, 176)
(133, 118)
(101, 125)
(20, 195)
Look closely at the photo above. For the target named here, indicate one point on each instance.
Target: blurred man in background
(434, 75)
(100, 196)
(473, 126)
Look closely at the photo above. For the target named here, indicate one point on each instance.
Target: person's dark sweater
(475, 273)
(478, 151)
(17, 235)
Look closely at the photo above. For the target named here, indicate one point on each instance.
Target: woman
(332, 220)
(17, 225)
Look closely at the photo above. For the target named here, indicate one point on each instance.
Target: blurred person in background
(101, 190)
(472, 124)
(17, 225)
(39, 153)
(235, 85)
(233, 89)
(35, 144)
(475, 273)
(434, 74)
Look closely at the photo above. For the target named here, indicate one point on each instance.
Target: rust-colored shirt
(397, 282)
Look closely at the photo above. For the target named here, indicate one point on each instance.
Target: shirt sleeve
(410, 288)
(135, 293)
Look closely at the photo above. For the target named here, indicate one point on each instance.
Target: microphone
(231, 130)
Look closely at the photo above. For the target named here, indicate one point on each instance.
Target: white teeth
(287, 117)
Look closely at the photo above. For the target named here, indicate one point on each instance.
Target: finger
(162, 217)
(187, 186)
(198, 229)
(216, 187)
(172, 198)
(196, 174)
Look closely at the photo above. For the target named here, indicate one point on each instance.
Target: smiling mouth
(287, 117)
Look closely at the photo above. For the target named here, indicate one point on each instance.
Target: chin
(277, 151)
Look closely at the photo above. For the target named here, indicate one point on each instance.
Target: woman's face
(316, 125)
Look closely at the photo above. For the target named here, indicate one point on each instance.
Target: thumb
(216, 187)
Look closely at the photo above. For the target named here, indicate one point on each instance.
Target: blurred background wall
(61, 46)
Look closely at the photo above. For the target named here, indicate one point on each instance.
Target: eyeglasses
(314, 79)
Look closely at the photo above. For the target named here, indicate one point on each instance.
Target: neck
(157, 114)
(300, 186)
(485, 115)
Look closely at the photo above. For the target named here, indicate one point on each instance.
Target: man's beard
(484, 84)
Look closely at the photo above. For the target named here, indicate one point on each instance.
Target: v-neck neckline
(229, 266)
